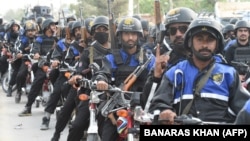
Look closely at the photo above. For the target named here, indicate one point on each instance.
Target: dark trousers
(36, 86)
(21, 76)
(60, 89)
(80, 123)
(15, 66)
(3, 64)
(107, 131)
(66, 111)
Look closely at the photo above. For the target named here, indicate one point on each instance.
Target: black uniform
(80, 123)
(42, 45)
(123, 64)
(72, 100)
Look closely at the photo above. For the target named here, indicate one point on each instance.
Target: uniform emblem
(218, 78)
(91, 23)
(29, 25)
(203, 29)
(174, 11)
(128, 21)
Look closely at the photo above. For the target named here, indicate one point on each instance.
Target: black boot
(18, 97)
(55, 137)
(9, 92)
(45, 124)
(25, 112)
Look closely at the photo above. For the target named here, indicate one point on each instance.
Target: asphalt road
(15, 128)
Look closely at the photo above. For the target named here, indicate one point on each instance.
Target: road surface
(15, 128)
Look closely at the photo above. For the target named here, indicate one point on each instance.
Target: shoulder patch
(218, 78)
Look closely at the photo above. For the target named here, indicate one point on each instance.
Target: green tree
(100, 7)
(14, 14)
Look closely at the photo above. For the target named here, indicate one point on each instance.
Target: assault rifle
(118, 98)
(83, 28)
(111, 26)
(84, 34)
(160, 28)
(130, 80)
(82, 21)
(67, 30)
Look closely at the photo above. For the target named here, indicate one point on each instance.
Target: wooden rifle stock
(67, 30)
(111, 27)
(157, 10)
(160, 28)
(84, 34)
(130, 80)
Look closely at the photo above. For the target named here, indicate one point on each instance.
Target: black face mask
(14, 35)
(101, 37)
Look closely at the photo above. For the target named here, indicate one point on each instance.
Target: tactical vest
(97, 52)
(124, 70)
(241, 54)
(46, 45)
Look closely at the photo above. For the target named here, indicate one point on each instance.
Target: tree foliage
(14, 14)
(100, 7)
(120, 7)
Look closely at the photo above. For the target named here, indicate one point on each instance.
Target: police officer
(176, 24)
(74, 53)
(242, 32)
(145, 29)
(118, 65)
(94, 54)
(228, 32)
(12, 35)
(20, 72)
(58, 56)
(218, 100)
(43, 44)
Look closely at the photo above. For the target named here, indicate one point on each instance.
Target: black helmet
(152, 32)
(68, 27)
(145, 24)
(129, 24)
(227, 28)
(70, 24)
(70, 18)
(47, 22)
(100, 20)
(89, 23)
(30, 25)
(14, 22)
(241, 24)
(40, 20)
(75, 25)
(206, 25)
(233, 20)
(179, 15)
(137, 17)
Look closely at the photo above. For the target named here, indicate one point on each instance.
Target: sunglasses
(182, 29)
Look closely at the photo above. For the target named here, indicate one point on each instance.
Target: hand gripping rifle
(118, 98)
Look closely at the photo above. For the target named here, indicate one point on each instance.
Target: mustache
(205, 49)
(178, 39)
